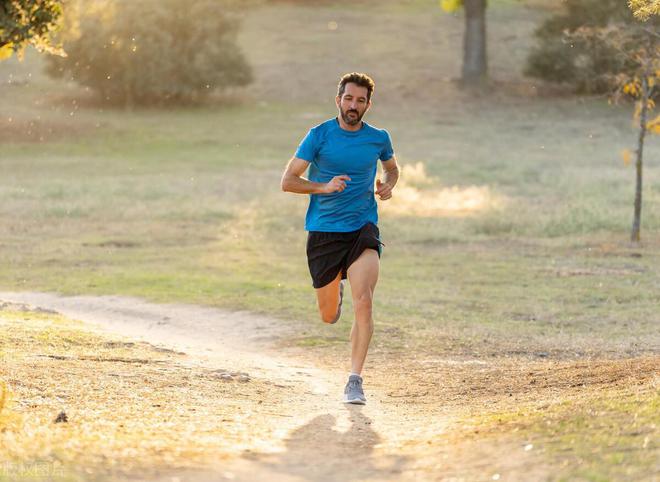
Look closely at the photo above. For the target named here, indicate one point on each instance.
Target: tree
(641, 84)
(475, 63)
(28, 22)
(637, 46)
(475, 58)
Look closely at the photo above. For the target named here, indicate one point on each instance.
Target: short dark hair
(363, 80)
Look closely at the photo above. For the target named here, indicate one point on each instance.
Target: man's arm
(292, 180)
(390, 177)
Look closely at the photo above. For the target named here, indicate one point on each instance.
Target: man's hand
(384, 190)
(336, 184)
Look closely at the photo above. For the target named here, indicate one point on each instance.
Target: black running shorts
(330, 253)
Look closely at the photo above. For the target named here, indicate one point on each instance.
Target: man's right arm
(292, 180)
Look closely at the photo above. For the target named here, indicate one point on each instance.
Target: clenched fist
(336, 184)
(383, 190)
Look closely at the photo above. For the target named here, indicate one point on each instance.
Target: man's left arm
(390, 177)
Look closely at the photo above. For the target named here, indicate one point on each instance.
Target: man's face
(353, 103)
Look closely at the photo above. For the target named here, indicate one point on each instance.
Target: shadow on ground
(321, 451)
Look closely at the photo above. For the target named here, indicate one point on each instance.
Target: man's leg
(363, 275)
(328, 298)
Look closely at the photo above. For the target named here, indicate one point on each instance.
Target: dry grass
(131, 407)
(37, 130)
(524, 417)
(3, 396)
(604, 431)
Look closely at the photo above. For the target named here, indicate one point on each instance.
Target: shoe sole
(341, 299)
(356, 401)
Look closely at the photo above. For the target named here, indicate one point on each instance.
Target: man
(343, 241)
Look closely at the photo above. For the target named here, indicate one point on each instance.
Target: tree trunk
(475, 64)
(637, 218)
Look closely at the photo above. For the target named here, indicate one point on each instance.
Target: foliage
(28, 22)
(153, 52)
(636, 46)
(451, 6)
(644, 9)
(580, 61)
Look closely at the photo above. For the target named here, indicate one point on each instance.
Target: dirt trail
(317, 437)
(293, 425)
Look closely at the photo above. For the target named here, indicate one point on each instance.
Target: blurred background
(147, 162)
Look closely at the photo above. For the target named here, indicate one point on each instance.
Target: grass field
(507, 236)
(512, 216)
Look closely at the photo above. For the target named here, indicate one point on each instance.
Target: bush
(578, 63)
(153, 51)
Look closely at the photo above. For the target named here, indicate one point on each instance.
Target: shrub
(153, 51)
(579, 63)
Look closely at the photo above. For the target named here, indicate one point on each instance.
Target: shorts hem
(329, 253)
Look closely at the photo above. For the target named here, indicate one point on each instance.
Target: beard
(350, 119)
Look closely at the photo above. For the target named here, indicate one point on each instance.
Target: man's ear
(337, 100)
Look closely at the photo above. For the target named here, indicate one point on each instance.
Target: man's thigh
(363, 273)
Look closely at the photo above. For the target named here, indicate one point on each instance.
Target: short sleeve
(387, 151)
(307, 149)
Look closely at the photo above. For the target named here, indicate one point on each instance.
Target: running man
(343, 241)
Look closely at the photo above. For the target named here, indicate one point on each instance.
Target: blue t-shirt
(332, 151)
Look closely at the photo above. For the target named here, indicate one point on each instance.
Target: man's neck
(348, 127)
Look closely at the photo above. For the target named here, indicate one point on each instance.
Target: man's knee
(363, 301)
(328, 316)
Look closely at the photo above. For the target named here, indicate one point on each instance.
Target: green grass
(612, 436)
(184, 205)
(170, 215)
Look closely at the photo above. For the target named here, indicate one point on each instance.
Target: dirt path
(411, 428)
(317, 437)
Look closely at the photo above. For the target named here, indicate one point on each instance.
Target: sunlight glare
(415, 195)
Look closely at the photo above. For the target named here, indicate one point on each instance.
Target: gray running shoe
(353, 392)
(341, 299)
